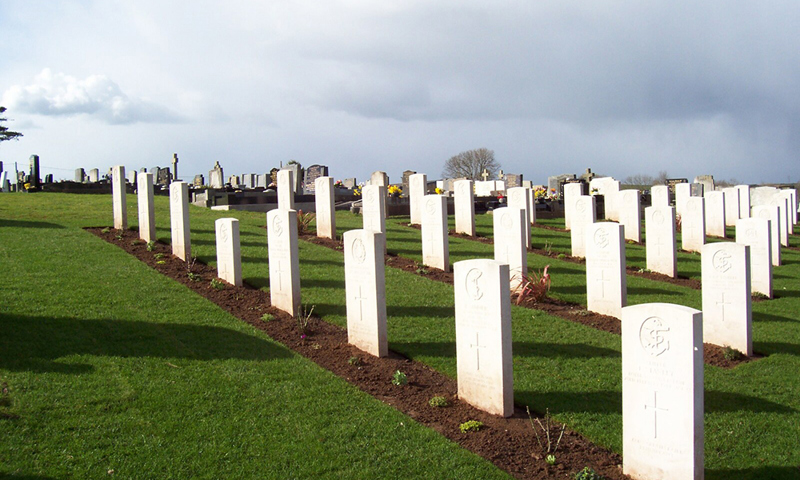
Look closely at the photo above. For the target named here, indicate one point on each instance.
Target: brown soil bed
(509, 443)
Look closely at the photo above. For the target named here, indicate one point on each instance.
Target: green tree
(5, 133)
(471, 164)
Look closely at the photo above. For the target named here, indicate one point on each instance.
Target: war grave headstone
(583, 215)
(608, 187)
(715, 214)
(484, 188)
(509, 242)
(80, 175)
(771, 213)
(119, 199)
(374, 207)
(531, 206)
(179, 220)
(571, 193)
(731, 195)
(324, 206)
(365, 287)
(790, 211)
(659, 195)
(682, 193)
(662, 392)
(285, 190)
(693, 224)
(94, 175)
(630, 216)
(744, 200)
(762, 195)
(216, 177)
(417, 186)
(435, 248)
(606, 284)
(464, 207)
(147, 213)
(519, 197)
(483, 335)
(312, 174)
(380, 179)
(783, 218)
(229, 251)
(660, 251)
(5, 185)
(756, 233)
(727, 311)
(284, 261)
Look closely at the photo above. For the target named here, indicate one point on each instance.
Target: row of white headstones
(662, 344)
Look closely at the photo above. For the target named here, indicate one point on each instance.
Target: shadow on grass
(561, 350)
(652, 291)
(777, 347)
(755, 473)
(320, 283)
(37, 343)
(27, 224)
(604, 401)
(422, 311)
(737, 402)
(14, 476)
(768, 317)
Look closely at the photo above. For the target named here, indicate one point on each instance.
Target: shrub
(438, 401)
(303, 319)
(304, 222)
(399, 378)
(470, 426)
(534, 287)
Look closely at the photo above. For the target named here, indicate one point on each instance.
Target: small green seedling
(731, 354)
(267, 317)
(151, 245)
(588, 474)
(161, 262)
(399, 378)
(105, 230)
(470, 426)
(438, 401)
(550, 459)
(218, 284)
(354, 361)
(561, 256)
(159, 256)
(193, 276)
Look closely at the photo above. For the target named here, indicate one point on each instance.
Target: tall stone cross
(175, 167)
(485, 175)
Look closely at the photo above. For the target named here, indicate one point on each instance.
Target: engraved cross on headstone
(280, 271)
(655, 409)
(360, 300)
(603, 281)
(477, 346)
(721, 304)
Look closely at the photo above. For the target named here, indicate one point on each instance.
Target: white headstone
(435, 248)
(783, 217)
(659, 224)
(509, 242)
(380, 179)
(629, 213)
(179, 220)
(791, 210)
(771, 213)
(662, 392)
(147, 213)
(484, 188)
(732, 209)
(518, 197)
(531, 206)
(286, 189)
(609, 188)
(119, 197)
(417, 186)
(715, 210)
(606, 283)
(571, 193)
(682, 193)
(659, 195)
(483, 335)
(284, 262)
(373, 208)
(324, 205)
(762, 195)
(744, 200)
(757, 234)
(727, 312)
(693, 224)
(5, 185)
(583, 215)
(365, 287)
(464, 207)
(229, 253)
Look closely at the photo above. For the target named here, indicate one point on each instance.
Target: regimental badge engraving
(472, 284)
(654, 336)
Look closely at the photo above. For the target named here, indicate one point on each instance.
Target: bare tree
(662, 177)
(470, 164)
(639, 179)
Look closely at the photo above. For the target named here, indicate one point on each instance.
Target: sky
(552, 87)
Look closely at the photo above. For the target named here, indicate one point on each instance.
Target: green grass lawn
(92, 357)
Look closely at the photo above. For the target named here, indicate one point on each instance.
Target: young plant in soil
(551, 448)
(438, 401)
(470, 426)
(303, 319)
(399, 378)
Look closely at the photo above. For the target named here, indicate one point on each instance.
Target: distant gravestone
(509, 243)
(284, 262)
(659, 195)
(571, 193)
(179, 220)
(660, 233)
(435, 248)
(405, 181)
(744, 200)
(606, 284)
(119, 199)
(234, 181)
(132, 175)
(285, 190)
(216, 177)
(80, 175)
(609, 188)
(531, 205)
(762, 195)
(94, 175)
(513, 180)
(693, 224)
(484, 188)
(349, 183)
(464, 203)
(324, 205)
(262, 181)
(35, 179)
(662, 392)
(583, 215)
(731, 206)
(757, 234)
(312, 174)
(783, 218)
(5, 185)
(379, 179)
(198, 181)
(727, 311)
(715, 214)
(249, 180)
(519, 197)
(630, 216)
(417, 186)
(771, 213)
(164, 176)
(147, 213)
(707, 181)
(791, 210)
(697, 190)
(682, 193)
(483, 335)
(229, 253)
(365, 287)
